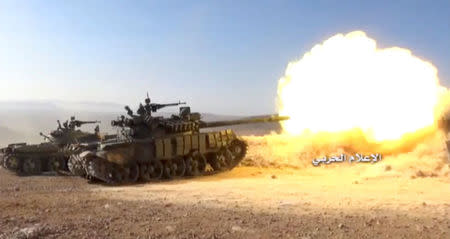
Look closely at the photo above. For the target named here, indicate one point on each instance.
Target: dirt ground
(248, 202)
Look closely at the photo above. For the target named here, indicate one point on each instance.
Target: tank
(52, 155)
(153, 148)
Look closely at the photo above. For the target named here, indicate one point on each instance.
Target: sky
(221, 57)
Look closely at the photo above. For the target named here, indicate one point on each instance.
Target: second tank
(51, 156)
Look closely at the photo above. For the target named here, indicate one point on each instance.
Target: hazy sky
(220, 56)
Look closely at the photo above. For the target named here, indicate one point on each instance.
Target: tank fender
(101, 154)
(87, 154)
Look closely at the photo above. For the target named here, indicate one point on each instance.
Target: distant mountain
(22, 121)
(59, 105)
(8, 136)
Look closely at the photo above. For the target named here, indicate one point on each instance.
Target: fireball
(348, 83)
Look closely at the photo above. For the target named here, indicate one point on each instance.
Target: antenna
(147, 101)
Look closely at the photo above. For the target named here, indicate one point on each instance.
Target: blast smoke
(348, 96)
(348, 83)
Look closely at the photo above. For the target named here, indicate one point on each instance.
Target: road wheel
(116, 175)
(191, 166)
(201, 163)
(133, 173)
(56, 164)
(195, 164)
(144, 174)
(11, 163)
(169, 169)
(238, 149)
(180, 167)
(31, 166)
(156, 169)
(218, 161)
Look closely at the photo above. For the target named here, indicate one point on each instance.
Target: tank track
(10, 163)
(28, 166)
(192, 165)
(75, 165)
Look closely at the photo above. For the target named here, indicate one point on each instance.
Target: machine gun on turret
(155, 107)
(78, 123)
(59, 125)
(143, 114)
(46, 137)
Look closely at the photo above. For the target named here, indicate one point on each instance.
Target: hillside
(22, 121)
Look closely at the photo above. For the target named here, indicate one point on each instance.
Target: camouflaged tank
(152, 148)
(34, 159)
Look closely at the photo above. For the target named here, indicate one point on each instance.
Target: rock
(168, 204)
(236, 229)
(355, 182)
(35, 231)
(286, 203)
(107, 206)
(16, 188)
(170, 228)
(424, 204)
(274, 176)
(31, 219)
(340, 226)
(419, 228)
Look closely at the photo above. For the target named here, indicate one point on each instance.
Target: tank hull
(33, 159)
(166, 157)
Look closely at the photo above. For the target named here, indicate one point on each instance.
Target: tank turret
(145, 125)
(70, 134)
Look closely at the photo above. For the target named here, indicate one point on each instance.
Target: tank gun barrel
(79, 123)
(89, 122)
(59, 124)
(257, 119)
(46, 137)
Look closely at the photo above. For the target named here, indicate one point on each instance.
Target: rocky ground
(247, 202)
